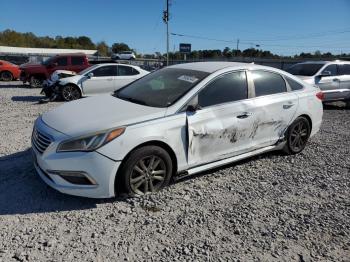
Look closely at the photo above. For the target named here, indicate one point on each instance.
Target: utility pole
(237, 46)
(166, 21)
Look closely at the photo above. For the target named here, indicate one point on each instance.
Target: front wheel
(6, 76)
(147, 169)
(297, 136)
(70, 92)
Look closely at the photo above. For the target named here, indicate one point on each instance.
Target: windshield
(161, 88)
(87, 70)
(304, 69)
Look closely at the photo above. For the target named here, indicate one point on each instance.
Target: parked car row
(174, 122)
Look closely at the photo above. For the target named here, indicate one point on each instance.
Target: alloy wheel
(6, 76)
(148, 175)
(70, 93)
(299, 136)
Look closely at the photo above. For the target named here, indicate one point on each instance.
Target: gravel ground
(268, 208)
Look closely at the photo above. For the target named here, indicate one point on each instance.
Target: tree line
(13, 38)
(17, 39)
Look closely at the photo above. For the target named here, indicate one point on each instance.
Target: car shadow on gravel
(336, 106)
(15, 85)
(27, 98)
(23, 192)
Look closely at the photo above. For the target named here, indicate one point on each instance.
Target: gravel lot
(268, 208)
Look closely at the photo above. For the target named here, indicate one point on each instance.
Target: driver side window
(105, 71)
(227, 88)
(332, 69)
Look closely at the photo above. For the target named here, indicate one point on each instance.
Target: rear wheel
(6, 76)
(70, 92)
(297, 136)
(147, 169)
(35, 82)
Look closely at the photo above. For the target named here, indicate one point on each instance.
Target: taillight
(320, 95)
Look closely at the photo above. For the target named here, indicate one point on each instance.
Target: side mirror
(90, 75)
(193, 105)
(325, 73)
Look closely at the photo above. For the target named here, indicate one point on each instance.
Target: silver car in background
(333, 78)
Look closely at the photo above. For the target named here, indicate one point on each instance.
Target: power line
(250, 43)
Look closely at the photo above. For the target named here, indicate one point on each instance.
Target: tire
(147, 169)
(70, 92)
(35, 82)
(297, 136)
(6, 76)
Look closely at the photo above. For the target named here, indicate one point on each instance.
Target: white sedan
(174, 122)
(98, 79)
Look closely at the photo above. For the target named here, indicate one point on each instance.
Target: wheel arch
(308, 118)
(158, 143)
(75, 85)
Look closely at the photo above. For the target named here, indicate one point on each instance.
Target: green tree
(103, 49)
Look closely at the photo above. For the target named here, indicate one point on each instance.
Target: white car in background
(332, 77)
(174, 122)
(98, 79)
(126, 55)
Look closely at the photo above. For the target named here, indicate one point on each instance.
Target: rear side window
(332, 69)
(62, 61)
(344, 69)
(127, 71)
(105, 71)
(294, 85)
(268, 83)
(227, 88)
(77, 60)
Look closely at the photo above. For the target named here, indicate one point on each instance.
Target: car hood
(98, 113)
(71, 79)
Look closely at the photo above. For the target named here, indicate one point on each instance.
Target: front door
(328, 83)
(102, 81)
(221, 128)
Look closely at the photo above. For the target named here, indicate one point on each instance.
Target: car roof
(211, 67)
(325, 62)
(114, 64)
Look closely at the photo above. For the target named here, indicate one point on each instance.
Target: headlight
(90, 142)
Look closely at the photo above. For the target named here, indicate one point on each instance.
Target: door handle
(244, 115)
(335, 79)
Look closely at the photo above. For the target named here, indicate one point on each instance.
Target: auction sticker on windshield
(190, 79)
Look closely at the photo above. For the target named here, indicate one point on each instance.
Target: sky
(284, 27)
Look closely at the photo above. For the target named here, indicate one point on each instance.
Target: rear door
(126, 75)
(221, 127)
(274, 107)
(102, 80)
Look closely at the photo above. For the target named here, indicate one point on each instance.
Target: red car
(35, 74)
(9, 71)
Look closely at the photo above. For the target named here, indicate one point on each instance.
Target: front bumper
(98, 168)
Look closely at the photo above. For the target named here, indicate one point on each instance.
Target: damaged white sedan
(174, 122)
